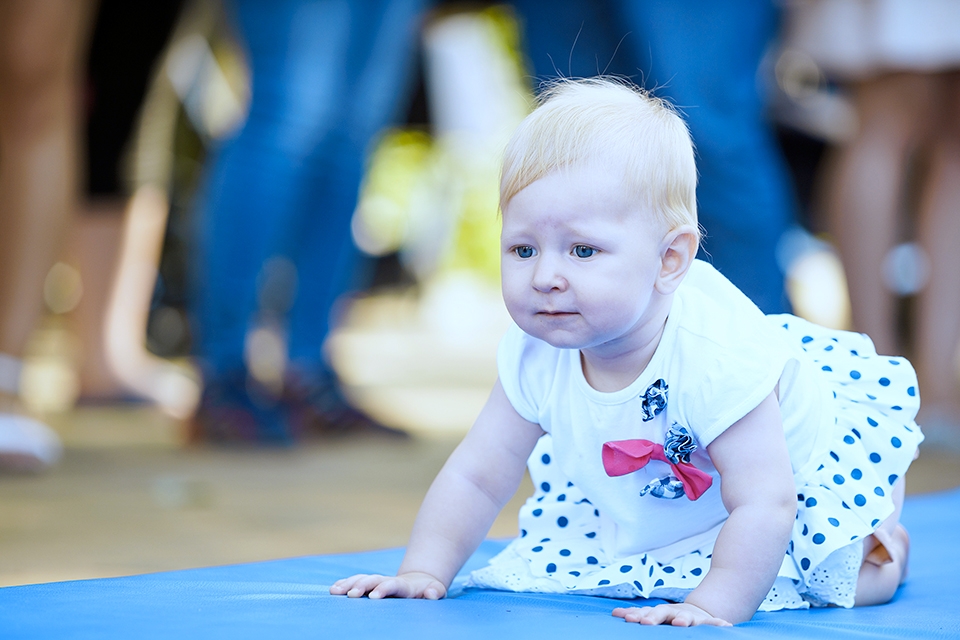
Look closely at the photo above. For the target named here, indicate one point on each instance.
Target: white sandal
(26, 445)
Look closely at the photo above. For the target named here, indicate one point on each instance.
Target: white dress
(854, 39)
(848, 421)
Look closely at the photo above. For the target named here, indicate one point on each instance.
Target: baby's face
(579, 260)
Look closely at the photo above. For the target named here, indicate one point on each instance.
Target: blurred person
(42, 45)
(898, 177)
(274, 250)
(125, 45)
(704, 56)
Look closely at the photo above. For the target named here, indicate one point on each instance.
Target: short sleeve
(527, 368)
(729, 355)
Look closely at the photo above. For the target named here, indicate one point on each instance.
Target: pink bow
(621, 457)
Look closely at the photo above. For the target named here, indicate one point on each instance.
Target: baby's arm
(480, 476)
(758, 491)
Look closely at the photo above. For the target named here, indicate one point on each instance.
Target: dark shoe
(233, 410)
(318, 409)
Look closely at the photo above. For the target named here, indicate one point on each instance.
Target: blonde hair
(618, 124)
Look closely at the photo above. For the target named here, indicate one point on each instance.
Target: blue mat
(289, 598)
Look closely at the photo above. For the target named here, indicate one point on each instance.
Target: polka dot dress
(873, 443)
(840, 503)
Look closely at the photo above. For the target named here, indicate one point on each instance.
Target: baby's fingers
(636, 614)
(678, 615)
(356, 586)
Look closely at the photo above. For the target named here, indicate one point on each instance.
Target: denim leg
(375, 91)
(286, 183)
(704, 56)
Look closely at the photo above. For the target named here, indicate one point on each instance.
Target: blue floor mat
(289, 598)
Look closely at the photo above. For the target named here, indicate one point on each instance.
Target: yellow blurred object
(817, 289)
(434, 199)
(397, 170)
(50, 381)
(62, 288)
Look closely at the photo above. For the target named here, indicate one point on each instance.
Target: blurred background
(249, 288)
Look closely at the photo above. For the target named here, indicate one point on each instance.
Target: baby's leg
(885, 555)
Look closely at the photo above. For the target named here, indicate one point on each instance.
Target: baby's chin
(557, 338)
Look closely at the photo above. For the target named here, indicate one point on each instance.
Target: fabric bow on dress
(621, 457)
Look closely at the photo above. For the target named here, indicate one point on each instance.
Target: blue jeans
(327, 76)
(703, 56)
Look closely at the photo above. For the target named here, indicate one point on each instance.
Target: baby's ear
(677, 251)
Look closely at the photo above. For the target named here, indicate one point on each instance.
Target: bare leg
(39, 66)
(886, 553)
(938, 321)
(40, 45)
(865, 193)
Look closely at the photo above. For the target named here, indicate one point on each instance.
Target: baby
(683, 445)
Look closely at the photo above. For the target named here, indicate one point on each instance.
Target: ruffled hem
(834, 582)
(871, 445)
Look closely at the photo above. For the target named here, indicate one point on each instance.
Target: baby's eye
(583, 251)
(524, 251)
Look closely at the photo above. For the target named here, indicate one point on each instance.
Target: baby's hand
(407, 585)
(679, 615)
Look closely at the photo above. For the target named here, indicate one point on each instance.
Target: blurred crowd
(192, 187)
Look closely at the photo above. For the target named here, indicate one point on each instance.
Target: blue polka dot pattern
(875, 400)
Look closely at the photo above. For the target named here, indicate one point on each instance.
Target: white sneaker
(27, 445)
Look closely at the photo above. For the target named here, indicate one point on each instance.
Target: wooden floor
(129, 498)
